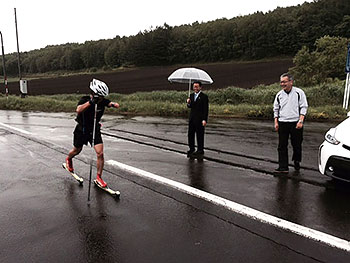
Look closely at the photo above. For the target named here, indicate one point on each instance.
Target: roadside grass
(325, 102)
(37, 103)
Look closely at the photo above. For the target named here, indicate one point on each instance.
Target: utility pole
(22, 83)
(18, 55)
(347, 82)
(3, 65)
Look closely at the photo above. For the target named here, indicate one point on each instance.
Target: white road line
(14, 128)
(240, 209)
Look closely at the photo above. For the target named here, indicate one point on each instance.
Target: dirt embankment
(244, 75)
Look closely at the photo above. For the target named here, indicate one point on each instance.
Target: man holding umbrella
(199, 104)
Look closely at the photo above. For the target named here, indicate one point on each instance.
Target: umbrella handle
(189, 88)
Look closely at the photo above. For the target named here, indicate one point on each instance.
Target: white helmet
(99, 87)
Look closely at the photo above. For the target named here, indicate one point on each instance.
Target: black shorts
(80, 138)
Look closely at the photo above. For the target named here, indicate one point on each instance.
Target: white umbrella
(189, 75)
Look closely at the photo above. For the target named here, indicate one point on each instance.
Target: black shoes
(198, 155)
(190, 154)
(296, 165)
(193, 154)
(286, 170)
(281, 170)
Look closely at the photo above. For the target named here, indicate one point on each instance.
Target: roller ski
(102, 185)
(68, 166)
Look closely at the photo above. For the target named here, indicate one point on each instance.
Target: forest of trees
(326, 62)
(281, 32)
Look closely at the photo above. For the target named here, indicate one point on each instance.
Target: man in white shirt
(290, 107)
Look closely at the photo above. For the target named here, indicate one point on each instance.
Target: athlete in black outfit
(83, 132)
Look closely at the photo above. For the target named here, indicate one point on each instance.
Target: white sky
(52, 22)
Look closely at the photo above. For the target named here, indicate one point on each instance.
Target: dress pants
(296, 135)
(197, 128)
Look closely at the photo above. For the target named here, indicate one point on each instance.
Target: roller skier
(86, 121)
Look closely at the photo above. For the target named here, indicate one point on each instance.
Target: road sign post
(347, 82)
(4, 65)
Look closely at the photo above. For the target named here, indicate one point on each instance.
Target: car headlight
(330, 137)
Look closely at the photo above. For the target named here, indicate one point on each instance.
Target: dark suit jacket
(199, 108)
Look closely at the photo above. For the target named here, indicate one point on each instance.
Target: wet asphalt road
(45, 217)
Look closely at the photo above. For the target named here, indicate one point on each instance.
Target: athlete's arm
(82, 107)
(114, 105)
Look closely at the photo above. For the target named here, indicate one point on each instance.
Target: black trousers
(196, 128)
(296, 135)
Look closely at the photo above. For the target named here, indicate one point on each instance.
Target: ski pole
(92, 146)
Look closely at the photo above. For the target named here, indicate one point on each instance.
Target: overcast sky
(53, 22)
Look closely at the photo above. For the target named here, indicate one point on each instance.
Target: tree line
(324, 63)
(281, 32)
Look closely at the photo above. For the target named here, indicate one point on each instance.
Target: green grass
(325, 102)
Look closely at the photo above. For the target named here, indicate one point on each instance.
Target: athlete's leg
(69, 162)
(100, 164)
(78, 141)
(75, 151)
(100, 158)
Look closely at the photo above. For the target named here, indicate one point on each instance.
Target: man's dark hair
(290, 76)
(198, 82)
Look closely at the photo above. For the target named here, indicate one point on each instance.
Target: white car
(334, 152)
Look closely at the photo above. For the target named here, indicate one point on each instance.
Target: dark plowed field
(244, 75)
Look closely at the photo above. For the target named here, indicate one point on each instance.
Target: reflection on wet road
(152, 220)
(196, 174)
